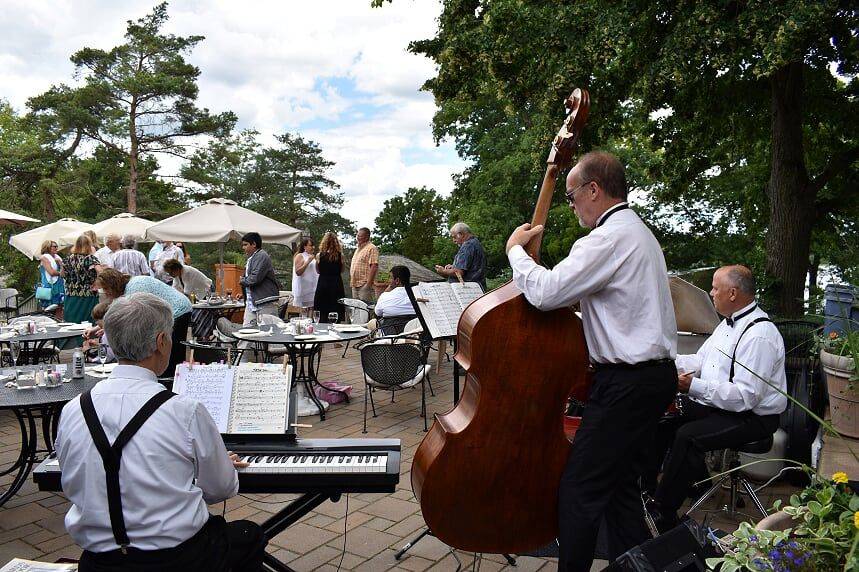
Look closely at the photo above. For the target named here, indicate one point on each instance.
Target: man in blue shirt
(469, 264)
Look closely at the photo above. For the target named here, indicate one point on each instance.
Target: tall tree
(750, 109)
(140, 96)
(288, 181)
(409, 224)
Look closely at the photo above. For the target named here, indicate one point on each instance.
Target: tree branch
(836, 165)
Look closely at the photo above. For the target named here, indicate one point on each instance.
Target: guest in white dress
(304, 275)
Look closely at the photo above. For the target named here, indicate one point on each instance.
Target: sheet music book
(252, 398)
(444, 305)
(21, 565)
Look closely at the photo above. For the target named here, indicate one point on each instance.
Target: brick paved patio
(31, 524)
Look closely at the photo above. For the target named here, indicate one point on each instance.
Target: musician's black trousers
(607, 457)
(700, 429)
(237, 546)
(177, 354)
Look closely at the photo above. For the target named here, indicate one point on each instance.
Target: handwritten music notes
(444, 305)
(260, 399)
(211, 385)
(250, 399)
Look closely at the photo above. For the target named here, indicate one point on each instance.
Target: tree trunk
(133, 153)
(791, 197)
(48, 203)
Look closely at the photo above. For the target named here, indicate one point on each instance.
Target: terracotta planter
(776, 521)
(843, 396)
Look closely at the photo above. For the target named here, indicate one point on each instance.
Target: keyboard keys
(321, 464)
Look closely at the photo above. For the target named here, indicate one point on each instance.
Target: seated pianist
(728, 405)
(140, 464)
(393, 306)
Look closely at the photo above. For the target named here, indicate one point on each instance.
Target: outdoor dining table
(305, 352)
(205, 315)
(32, 344)
(28, 405)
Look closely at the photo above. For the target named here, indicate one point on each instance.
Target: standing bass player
(617, 274)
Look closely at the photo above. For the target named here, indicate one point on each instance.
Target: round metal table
(304, 354)
(205, 316)
(38, 341)
(28, 405)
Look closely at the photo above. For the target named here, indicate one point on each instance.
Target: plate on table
(248, 331)
(75, 327)
(349, 329)
(106, 368)
(65, 324)
(305, 337)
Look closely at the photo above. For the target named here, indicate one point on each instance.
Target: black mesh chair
(393, 365)
(394, 325)
(212, 353)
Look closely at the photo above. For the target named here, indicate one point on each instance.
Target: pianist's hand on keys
(237, 460)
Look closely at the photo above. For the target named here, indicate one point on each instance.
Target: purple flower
(753, 538)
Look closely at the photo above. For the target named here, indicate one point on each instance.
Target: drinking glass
(102, 355)
(229, 295)
(317, 315)
(333, 317)
(14, 353)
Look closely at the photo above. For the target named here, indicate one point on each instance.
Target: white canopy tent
(123, 224)
(30, 242)
(15, 219)
(220, 220)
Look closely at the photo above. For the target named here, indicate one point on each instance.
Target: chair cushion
(410, 383)
(762, 446)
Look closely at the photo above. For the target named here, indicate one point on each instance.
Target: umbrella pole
(221, 266)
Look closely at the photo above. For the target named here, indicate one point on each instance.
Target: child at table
(95, 335)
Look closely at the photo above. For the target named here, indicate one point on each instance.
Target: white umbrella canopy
(123, 224)
(30, 242)
(8, 217)
(220, 220)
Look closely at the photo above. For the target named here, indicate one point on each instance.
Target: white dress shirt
(171, 253)
(394, 303)
(131, 262)
(172, 467)
(618, 275)
(761, 350)
(105, 256)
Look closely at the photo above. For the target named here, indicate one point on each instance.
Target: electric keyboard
(302, 466)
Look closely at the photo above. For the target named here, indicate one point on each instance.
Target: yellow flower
(840, 477)
(856, 519)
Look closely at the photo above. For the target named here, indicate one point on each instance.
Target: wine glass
(14, 353)
(317, 315)
(102, 355)
(229, 294)
(332, 319)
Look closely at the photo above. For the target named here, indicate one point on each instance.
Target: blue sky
(336, 71)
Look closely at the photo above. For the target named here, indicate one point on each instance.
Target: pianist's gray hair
(460, 228)
(133, 322)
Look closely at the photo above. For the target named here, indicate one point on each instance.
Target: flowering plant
(823, 535)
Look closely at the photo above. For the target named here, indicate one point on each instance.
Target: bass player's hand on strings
(523, 235)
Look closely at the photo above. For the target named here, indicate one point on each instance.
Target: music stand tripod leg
(427, 532)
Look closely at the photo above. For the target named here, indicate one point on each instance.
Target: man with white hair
(736, 384)
(469, 264)
(139, 464)
(130, 261)
(105, 253)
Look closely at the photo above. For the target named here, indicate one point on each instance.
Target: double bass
(487, 472)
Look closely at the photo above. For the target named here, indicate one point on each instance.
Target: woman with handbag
(51, 290)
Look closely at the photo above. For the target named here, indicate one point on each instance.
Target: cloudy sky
(336, 71)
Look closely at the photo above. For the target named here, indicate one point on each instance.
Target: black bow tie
(732, 321)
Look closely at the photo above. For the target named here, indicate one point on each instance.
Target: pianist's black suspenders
(112, 454)
(734, 354)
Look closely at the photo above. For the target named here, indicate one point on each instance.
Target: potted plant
(839, 354)
(383, 280)
(817, 531)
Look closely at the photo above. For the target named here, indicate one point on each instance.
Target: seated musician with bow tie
(139, 464)
(734, 383)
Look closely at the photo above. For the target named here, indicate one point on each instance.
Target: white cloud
(337, 71)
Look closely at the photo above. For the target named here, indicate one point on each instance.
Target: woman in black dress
(329, 288)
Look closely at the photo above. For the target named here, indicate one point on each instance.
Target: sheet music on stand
(252, 398)
(440, 304)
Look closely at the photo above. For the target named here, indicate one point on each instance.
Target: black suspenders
(112, 454)
(734, 354)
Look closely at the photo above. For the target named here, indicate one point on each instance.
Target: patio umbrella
(419, 273)
(30, 242)
(7, 217)
(123, 224)
(219, 220)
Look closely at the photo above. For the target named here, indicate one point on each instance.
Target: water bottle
(77, 365)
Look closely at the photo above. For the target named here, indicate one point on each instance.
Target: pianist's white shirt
(618, 274)
(172, 467)
(761, 350)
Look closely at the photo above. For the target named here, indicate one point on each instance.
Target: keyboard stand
(286, 517)
(427, 532)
